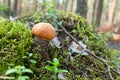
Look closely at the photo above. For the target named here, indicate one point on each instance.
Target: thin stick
(109, 72)
(6, 52)
(6, 77)
(92, 54)
(69, 35)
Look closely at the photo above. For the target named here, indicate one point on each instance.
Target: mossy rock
(74, 24)
(15, 40)
(80, 68)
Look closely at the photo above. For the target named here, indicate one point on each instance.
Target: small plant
(50, 10)
(54, 68)
(29, 57)
(18, 72)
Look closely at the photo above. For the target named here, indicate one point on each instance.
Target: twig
(60, 51)
(108, 67)
(6, 77)
(6, 52)
(92, 54)
(69, 35)
(72, 21)
(102, 60)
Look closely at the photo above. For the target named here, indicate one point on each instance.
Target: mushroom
(44, 31)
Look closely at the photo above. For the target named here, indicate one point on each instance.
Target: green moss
(82, 31)
(17, 38)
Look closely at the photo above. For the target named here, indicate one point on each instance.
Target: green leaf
(10, 71)
(33, 61)
(24, 57)
(50, 62)
(62, 71)
(30, 54)
(23, 78)
(50, 68)
(56, 69)
(19, 68)
(54, 77)
(55, 62)
(27, 71)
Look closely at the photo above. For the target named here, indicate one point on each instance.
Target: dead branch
(6, 77)
(92, 54)
(6, 52)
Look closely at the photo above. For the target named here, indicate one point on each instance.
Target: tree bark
(17, 7)
(4, 2)
(57, 4)
(110, 12)
(97, 12)
(9, 3)
(36, 5)
(65, 9)
(72, 4)
(116, 11)
(82, 8)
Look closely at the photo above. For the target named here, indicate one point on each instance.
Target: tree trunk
(65, 9)
(9, 3)
(110, 12)
(82, 8)
(17, 6)
(72, 2)
(97, 12)
(36, 5)
(4, 2)
(57, 4)
(116, 12)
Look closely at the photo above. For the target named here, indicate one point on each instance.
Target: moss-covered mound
(18, 47)
(15, 40)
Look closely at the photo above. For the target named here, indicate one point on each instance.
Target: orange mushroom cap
(44, 31)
